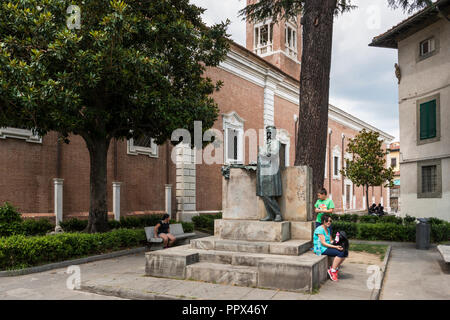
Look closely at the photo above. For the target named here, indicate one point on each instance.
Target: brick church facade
(261, 88)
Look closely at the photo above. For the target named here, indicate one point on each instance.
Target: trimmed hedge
(383, 219)
(20, 251)
(43, 226)
(390, 231)
(9, 214)
(27, 228)
(77, 225)
(206, 221)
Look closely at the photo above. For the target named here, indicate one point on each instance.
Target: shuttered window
(428, 120)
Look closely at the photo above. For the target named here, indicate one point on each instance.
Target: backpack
(341, 240)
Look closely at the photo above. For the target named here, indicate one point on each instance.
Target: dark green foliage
(187, 227)
(391, 219)
(140, 222)
(206, 221)
(73, 225)
(10, 229)
(348, 217)
(435, 221)
(145, 60)
(37, 227)
(369, 219)
(20, 251)
(9, 214)
(367, 167)
(113, 224)
(351, 229)
(11, 223)
(409, 219)
(386, 231)
(440, 232)
(374, 228)
(77, 225)
(408, 5)
(133, 69)
(335, 217)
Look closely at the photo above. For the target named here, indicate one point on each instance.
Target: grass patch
(378, 249)
(315, 290)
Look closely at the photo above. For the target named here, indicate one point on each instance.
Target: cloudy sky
(362, 77)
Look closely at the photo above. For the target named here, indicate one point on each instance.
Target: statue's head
(271, 132)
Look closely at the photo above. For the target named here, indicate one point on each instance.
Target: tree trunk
(317, 24)
(367, 199)
(98, 208)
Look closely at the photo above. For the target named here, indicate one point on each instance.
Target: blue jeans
(335, 253)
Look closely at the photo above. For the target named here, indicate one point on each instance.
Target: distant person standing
(323, 205)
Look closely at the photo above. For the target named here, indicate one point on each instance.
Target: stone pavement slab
(444, 250)
(351, 286)
(125, 277)
(416, 275)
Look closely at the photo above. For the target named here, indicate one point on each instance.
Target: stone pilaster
(116, 200)
(185, 182)
(58, 195)
(168, 199)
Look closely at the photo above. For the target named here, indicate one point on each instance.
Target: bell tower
(278, 43)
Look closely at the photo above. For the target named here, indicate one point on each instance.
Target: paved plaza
(411, 274)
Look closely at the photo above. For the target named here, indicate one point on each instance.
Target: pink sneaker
(333, 275)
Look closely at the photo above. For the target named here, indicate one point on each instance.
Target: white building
(423, 43)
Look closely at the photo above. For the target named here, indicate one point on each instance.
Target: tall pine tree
(317, 23)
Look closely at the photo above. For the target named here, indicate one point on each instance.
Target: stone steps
(289, 247)
(286, 272)
(223, 274)
(244, 258)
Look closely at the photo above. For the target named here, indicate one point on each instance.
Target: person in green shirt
(323, 205)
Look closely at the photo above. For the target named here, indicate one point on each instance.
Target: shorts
(331, 252)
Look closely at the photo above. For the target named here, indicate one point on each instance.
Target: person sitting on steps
(162, 230)
(323, 246)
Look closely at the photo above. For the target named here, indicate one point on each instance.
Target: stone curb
(126, 293)
(376, 292)
(62, 264)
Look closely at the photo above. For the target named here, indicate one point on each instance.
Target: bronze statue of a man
(268, 176)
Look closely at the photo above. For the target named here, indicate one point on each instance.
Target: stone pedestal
(240, 202)
(251, 230)
(298, 194)
(245, 251)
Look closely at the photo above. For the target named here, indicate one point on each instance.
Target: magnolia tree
(317, 35)
(107, 70)
(367, 167)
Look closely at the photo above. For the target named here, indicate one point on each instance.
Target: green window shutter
(428, 120)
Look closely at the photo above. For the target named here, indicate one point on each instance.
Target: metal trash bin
(423, 232)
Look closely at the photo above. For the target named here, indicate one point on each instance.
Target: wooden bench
(176, 229)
